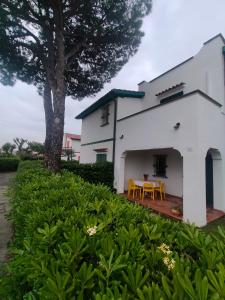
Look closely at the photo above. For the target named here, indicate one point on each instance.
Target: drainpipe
(223, 50)
(114, 134)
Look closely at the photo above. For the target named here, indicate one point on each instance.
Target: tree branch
(75, 50)
(19, 14)
(31, 34)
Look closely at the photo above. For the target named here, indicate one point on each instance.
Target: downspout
(223, 50)
(114, 135)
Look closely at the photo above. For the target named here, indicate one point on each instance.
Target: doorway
(209, 180)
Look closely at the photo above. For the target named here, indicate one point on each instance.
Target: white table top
(141, 182)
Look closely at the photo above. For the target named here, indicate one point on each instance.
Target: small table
(142, 182)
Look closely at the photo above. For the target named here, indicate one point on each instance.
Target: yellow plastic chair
(133, 188)
(148, 188)
(161, 190)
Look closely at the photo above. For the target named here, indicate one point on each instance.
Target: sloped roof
(73, 136)
(107, 98)
(170, 88)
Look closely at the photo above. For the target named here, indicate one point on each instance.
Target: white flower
(166, 260)
(91, 230)
(165, 249)
(169, 262)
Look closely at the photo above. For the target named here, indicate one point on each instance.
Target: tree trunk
(55, 92)
(54, 119)
(57, 129)
(48, 123)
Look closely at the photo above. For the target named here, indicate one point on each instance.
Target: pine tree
(66, 48)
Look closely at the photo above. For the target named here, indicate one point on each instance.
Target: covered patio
(166, 207)
(167, 166)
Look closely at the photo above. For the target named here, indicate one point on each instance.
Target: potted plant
(177, 210)
(145, 177)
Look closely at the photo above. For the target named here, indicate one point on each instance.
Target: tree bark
(57, 128)
(55, 93)
(48, 123)
(54, 106)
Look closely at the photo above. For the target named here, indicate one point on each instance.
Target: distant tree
(20, 142)
(36, 147)
(8, 148)
(13, 146)
(69, 153)
(67, 48)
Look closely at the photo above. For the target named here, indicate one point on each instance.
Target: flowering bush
(75, 240)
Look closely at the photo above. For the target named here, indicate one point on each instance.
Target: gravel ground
(5, 227)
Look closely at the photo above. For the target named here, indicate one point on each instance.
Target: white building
(72, 142)
(172, 127)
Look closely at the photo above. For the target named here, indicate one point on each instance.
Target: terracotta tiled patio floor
(164, 207)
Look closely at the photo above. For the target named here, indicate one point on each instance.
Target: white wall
(76, 145)
(128, 106)
(88, 153)
(92, 130)
(154, 129)
(205, 71)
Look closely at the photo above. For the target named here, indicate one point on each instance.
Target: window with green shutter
(101, 157)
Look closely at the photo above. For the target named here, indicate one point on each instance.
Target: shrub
(29, 156)
(75, 240)
(93, 173)
(8, 164)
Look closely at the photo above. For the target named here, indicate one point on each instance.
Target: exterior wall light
(122, 136)
(176, 126)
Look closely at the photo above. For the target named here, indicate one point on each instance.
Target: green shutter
(101, 157)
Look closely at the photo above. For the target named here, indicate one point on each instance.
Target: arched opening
(213, 173)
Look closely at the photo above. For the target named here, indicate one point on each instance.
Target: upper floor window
(160, 165)
(105, 115)
(171, 93)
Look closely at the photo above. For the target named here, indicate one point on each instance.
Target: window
(160, 165)
(171, 97)
(101, 157)
(105, 115)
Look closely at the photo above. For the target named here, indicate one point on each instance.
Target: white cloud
(174, 31)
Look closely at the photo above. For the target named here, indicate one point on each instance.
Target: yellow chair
(148, 188)
(133, 188)
(161, 190)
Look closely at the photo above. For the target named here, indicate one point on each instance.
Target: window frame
(160, 165)
(101, 154)
(105, 115)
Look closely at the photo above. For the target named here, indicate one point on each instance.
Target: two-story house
(173, 128)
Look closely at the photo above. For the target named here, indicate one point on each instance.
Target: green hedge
(74, 240)
(93, 173)
(9, 164)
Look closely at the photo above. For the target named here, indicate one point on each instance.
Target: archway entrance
(209, 179)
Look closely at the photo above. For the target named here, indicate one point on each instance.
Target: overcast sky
(174, 31)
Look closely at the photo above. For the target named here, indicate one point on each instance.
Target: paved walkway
(5, 228)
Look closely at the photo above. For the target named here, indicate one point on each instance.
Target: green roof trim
(107, 98)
